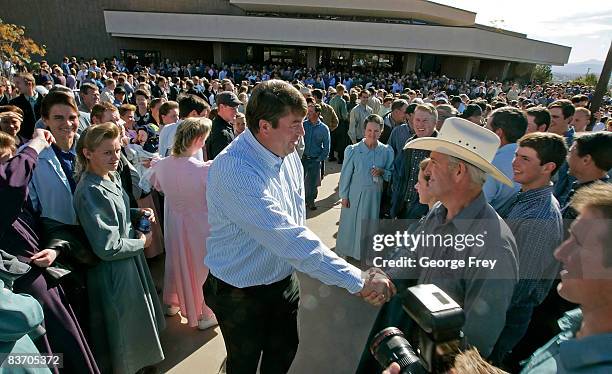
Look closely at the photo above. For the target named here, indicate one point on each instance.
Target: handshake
(377, 288)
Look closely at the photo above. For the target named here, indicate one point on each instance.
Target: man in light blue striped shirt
(258, 237)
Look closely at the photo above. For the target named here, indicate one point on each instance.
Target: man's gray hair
(477, 176)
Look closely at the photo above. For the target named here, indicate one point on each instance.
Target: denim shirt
(484, 294)
(50, 190)
(565, 354)
(317, 140)
(497, 193)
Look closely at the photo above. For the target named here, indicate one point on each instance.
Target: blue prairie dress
(363, 192)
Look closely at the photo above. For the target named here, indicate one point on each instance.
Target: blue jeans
(312, 172)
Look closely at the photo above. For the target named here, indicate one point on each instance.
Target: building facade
(400, 35)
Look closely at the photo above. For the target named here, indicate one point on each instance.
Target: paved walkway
(333, 323)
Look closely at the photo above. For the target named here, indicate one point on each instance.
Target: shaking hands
(377, 288)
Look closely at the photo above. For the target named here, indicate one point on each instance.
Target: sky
(584, 25)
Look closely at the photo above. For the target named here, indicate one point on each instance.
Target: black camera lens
(390, 345)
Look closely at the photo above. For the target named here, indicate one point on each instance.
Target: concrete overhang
(441, 40)
(397, 9)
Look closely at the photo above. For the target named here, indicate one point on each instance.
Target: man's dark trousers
(342, 140)
(255, 319)
(333, 143)
(312, 173)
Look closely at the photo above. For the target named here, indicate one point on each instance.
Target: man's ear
(549, 167)
(264, 127)
(459, 171)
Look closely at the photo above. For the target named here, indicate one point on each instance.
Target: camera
(436, 333)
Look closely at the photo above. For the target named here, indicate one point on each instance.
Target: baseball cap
(227, 98)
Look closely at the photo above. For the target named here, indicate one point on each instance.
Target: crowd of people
(103, 167)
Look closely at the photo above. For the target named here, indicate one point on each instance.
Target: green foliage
(587, 80)
(16, 46)
(542, 73)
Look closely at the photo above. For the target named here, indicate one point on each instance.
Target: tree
(587, 80)
(15, 46)
(542, 73)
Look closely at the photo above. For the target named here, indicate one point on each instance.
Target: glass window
(283, 55)
(385, 61)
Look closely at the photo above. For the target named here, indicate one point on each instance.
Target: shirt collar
(112, 185)
(392, 121)
(466, 216)
(312, 123)
(49, 152)
(536, 193)
(362, 147)
(222, 122)
(577, 185)
(584, 352)
(464, 219)
(509, 148)
(415, 136)
(262, 152)
(59, 152)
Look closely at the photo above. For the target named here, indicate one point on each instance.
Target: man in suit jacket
(29, 101)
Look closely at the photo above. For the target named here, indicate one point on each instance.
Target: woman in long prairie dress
(20, 237)
(366, 165)
(182, 179)
(125, 314)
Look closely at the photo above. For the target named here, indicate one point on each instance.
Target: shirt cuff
(355, 281)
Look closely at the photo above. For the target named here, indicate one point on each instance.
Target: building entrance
(286, 55)
(144, 57)
(346, 59)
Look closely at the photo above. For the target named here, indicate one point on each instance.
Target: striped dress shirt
(257, 212)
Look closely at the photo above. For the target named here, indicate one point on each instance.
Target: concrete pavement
(333, 324)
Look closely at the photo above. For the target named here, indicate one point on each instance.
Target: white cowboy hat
(466, 141)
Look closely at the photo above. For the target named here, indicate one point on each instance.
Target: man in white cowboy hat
(483, 283)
